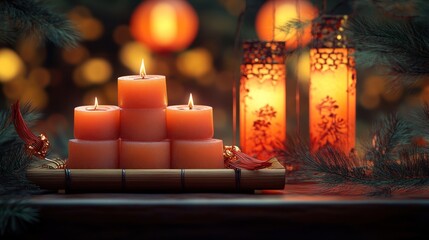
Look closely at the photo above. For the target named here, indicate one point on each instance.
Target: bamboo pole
(157, 180)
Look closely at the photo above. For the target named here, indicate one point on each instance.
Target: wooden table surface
(264, 215)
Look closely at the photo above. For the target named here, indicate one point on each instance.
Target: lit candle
(148, 155)
(85, 154)
(199, 154)
(189, 121)
(142, 91)
(97, 122)
(143, 124)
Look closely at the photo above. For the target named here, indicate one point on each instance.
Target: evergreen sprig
(32, 18)
(14, 160)
(392, 38)
(393, 160)
(14, 215)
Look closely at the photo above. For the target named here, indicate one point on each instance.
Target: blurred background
(55, 80)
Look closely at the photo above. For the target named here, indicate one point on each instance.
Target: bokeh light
(121, 34)
(164, 25)
(75, 55)
(31, 51)
(89, 27)
(369, 101)
(268, 25)
(195, 63)
(131, 55)
(11, 65)
(233, 7)
(35, 96)
(40, 76)
(13, 89)
(96, 71)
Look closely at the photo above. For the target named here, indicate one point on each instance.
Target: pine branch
(14, 215)
(419, 120)
(392, 161)
(398, 48)
(14, 160)
(32, 18)
(388, 133)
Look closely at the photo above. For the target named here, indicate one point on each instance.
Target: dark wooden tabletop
(263, 215)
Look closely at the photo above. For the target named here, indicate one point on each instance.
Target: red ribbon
(36, 145)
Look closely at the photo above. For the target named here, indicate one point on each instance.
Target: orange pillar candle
(98, 122)
(189, 121)
(144, 155)
(85, 154)
(263, 99)
(143, 124)
(198, 154)
(332, 86)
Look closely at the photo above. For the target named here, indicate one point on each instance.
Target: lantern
(276, 13)
(262, 98)
(332, 86)
(164, 25)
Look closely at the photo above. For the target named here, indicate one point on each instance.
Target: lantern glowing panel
(164, 25)
(262, 98)
(332, 86)
(276, 13)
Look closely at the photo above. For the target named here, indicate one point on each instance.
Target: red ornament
(234, 158)
(36, 145)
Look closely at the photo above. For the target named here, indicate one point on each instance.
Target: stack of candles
(144, 124)
(143, 100)
(191, 130)
(96, 129)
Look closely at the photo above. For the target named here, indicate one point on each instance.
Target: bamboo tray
(157, 180)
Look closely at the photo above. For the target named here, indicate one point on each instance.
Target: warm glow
(332, 98)
(285, 11)
(190, 102)
(262, 109)
(132, 53)
(96, 71)
(164, 25)
(10, 65)
(195, 63)
(89, 27)
(142, 70)
(75, 55)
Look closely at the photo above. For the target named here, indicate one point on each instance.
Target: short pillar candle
(197, 154)
(84, 154)
(189, 121)
(98, 122)
(144, 155)
(143, 124)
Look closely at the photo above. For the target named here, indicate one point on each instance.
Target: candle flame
(95, 103)
(142, 70)
(190, 102)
